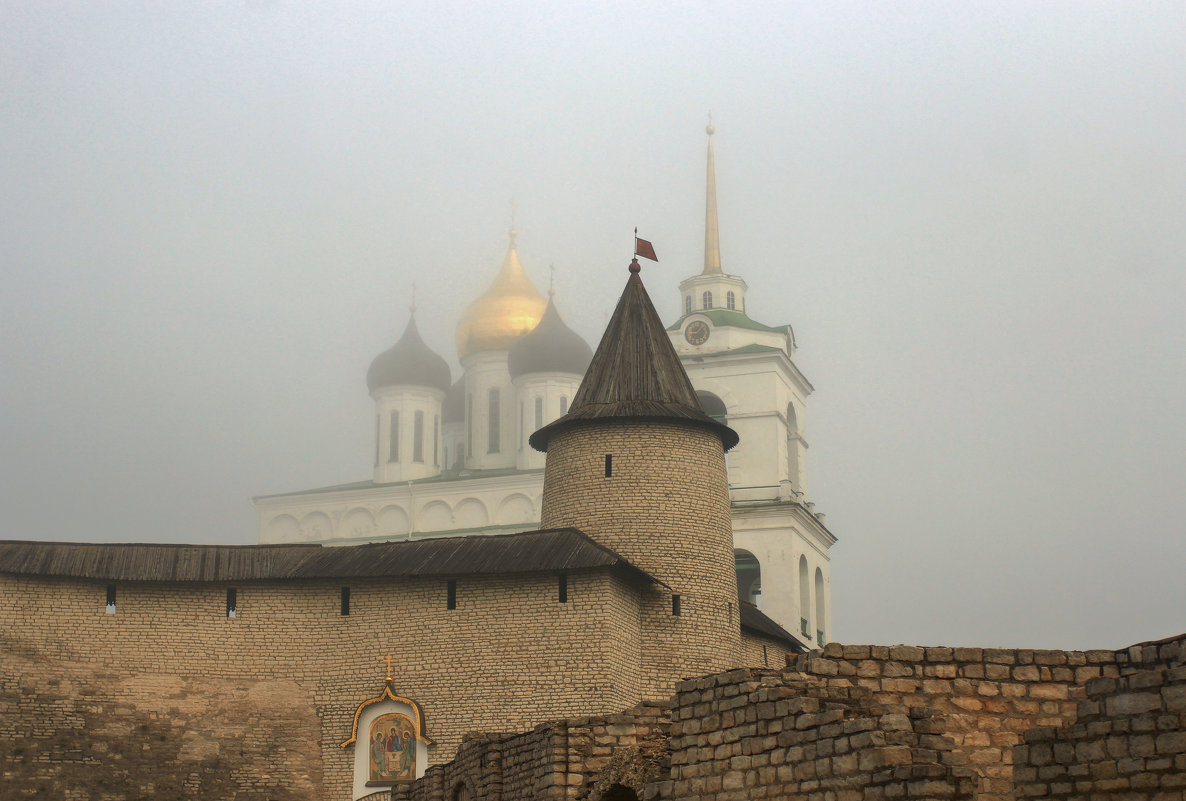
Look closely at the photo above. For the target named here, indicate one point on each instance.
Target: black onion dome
(550, 347)
(453, 410)
(407, 362)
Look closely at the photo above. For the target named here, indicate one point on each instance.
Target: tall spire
(712, 241)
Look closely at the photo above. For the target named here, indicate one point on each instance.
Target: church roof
(551, 347)
(635, 374)
(409, 362)
(526, 552)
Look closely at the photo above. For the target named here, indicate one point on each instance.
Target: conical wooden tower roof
(635, 375)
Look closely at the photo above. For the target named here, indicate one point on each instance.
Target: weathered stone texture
(71, 731)
(816, 733)
(574, 760)
(1128, 740)
(667, 481)
(508, 657)
(987, 697)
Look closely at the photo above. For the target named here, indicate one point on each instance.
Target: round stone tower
(639, 467)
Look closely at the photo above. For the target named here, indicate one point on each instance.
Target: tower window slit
(345, 600)
(111, 599)
(418, 437)
(609, 465)
(562, 594)
(675, 605)
(232, 602)
(451, 594)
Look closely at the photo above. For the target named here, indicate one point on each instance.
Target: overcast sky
(211, 216)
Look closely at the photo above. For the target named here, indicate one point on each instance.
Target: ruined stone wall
(987, 696)
(665, 507)
(580, 759)
(865, 723)
(1128, 740)
(508, 657)
(753, 734)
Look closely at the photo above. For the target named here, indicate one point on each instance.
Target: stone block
(1173, 742)
(1132, 703)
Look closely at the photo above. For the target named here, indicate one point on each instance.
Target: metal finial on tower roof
(412, 307)
(710, 130)
(551, 279)
(514, 231)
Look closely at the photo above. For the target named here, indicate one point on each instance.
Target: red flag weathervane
(644, 248)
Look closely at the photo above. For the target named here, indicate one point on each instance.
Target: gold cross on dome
(389, 659)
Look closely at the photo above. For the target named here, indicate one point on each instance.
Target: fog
(212, 215)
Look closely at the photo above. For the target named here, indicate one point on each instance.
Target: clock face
(697, 332)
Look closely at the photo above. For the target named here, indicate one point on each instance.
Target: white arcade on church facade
(451, 457)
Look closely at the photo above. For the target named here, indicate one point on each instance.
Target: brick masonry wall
(666, 509)
(844, 730)
(987, 696)
(1128, 740)
(759, 651)
(580, 759)
(754, 734)
(290, 668)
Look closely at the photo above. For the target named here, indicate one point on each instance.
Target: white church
(451, 457)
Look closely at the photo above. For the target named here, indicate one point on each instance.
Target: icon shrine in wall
(393, 749)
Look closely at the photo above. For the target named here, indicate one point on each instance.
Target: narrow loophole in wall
(111, 599)
(609, 465)
(765, 656)
(451, 594)
(345, 600)
(232, 602)
(562, 591)
(675, 610)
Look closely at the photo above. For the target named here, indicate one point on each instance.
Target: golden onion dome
(510, 308)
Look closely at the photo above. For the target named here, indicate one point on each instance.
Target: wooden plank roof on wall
(528, 552)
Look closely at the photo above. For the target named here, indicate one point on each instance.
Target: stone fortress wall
(167, 698)
(169, 693)
(864, 722)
